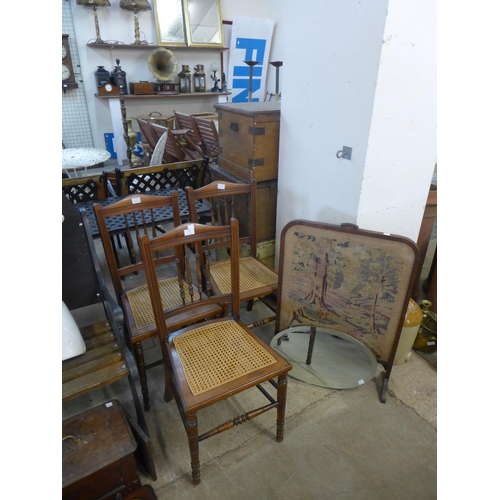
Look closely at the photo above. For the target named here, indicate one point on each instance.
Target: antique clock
(68, 74)
(107, 88)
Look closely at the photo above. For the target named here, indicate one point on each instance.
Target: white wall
(339, 85)
(331, 54)
(402, 145)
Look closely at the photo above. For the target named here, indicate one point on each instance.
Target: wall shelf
(163, 96)
(125, 46)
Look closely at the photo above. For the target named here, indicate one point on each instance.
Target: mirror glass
(169, 22)
(203, 23)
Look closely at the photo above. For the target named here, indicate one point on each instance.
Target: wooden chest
(249, 139)
(142, 88)
(98, 455)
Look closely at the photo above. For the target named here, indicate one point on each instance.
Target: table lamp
(136, 6)
(94, 4)
(215, 66)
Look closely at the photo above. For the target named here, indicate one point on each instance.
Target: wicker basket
(157, 117)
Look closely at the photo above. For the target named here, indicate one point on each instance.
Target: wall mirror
(203, 23)
(169, 21)
(196, 23)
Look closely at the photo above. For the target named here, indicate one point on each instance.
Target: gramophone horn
(163, 64)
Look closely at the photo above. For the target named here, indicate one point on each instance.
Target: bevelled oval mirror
(203, 23)
(169, 21)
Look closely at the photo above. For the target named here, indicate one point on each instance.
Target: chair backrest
(207, 132)
(147, 132)
(133, 216)
(185, 121)
(227, 200)
(195, 271)
(88, 188)
(174, 175)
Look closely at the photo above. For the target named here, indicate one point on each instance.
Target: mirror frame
(187, 40)
(187, 25)
(168, 43)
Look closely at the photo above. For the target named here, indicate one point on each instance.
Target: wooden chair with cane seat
(214, 360)
(137, 213)
(227, 200)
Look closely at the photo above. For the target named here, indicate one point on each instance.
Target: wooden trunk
(249, 139)
(101, 464)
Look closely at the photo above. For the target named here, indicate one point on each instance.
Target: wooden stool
(98, 454)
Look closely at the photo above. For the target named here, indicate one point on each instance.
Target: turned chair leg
(280, 421)
(141, 368)
(194, 446)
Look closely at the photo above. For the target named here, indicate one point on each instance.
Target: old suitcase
(249, 139)
(98, 454)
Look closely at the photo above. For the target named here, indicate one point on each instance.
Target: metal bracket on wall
(345, 153)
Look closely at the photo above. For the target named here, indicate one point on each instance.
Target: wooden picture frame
(354, 281)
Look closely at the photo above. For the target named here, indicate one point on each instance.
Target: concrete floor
(341, 444)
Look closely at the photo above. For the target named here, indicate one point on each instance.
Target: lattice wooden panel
(81, 192)
(182, 177)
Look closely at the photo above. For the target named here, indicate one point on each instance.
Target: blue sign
(254, 50)
(109, 141)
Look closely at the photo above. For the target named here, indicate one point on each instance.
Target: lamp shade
(93, 3)
(135, 5)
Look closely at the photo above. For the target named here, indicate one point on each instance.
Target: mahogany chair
(208, 135)
(185, 122)
(214, 360)
(227, 200)
(136, 213)
(174, 151)
(149, 139)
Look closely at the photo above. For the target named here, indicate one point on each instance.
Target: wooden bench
(107, 358)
